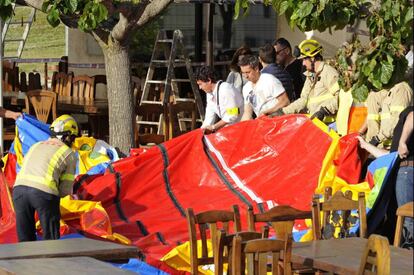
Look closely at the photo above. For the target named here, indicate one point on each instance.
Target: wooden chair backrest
(224, 248)
(281, 217)
(10, 78)
(34, 82)
(376, 256)
(83, 87)
(62, 83)
(180, 110)
(43, 103)
(403, 211)
(336, 212)
(208, 222)
(256, 253)
(100, 79)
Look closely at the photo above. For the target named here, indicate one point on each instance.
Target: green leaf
(53, 17)
(360, 93)
(72, 5)
(237, 9)
(408, 16)
(386, 72)
(305, 9)
(6, 12)
(368, 68)
(284, 5)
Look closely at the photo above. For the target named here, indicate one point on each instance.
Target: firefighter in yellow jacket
(47, 173)
(319, 96)
(384, 108)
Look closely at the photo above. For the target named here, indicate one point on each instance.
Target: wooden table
(77, 247)
(96, 106)
(61, 266)
(343, 256)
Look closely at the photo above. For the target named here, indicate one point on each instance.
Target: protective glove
(277, 113)
(375, 141)
(323, 111)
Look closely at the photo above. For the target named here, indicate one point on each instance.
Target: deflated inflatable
(259, 163)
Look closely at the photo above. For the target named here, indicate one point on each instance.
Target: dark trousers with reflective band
(26, 201)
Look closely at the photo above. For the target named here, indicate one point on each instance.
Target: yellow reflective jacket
(320, 90)
(49, 166)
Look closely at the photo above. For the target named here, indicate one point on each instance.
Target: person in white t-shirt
(264, 93)
(223, 101)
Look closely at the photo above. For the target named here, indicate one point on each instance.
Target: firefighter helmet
(64, 125)
(309, 48)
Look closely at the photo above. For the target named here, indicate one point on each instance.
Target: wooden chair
(148, 127)
(62, 83)
(257, 263)
(34, 82)
(212, 221)
(224, 249)
(83, 87)
(376, 257)
(281, 217)
(43, 103)
(336, 213)
(10, 78)
(403, 211)
(178, 120)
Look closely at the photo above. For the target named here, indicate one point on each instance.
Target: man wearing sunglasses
(285, 58)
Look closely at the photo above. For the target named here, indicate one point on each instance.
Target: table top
(76, 247)
(65, 103)
(61, 266)
(343, 256)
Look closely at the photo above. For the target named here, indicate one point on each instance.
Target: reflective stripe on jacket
(49, 167)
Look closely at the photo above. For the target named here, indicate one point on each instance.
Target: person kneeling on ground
(47, 173)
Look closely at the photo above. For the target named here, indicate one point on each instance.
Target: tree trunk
(120, 97)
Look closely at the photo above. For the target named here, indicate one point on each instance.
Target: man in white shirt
(223, 101)
(263, 94)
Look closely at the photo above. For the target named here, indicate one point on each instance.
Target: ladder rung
(165, 41)
(156, 81)
(143, 122)
(180, 80)
(19, 22)
(151, 102)
(14, 40)
(167, 61)
(183, 99)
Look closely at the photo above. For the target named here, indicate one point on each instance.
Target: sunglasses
(279, 51)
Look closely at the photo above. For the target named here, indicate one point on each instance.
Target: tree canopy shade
(379, 64)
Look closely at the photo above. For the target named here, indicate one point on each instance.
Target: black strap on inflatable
(117, 200)
(142, 228)
(167, 179)
(223, 177)
(261, 207)
(161, 238)
(79, 182)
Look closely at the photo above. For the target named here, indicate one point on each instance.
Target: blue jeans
(404, 192)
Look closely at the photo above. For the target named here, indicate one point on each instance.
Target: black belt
(404, 163)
